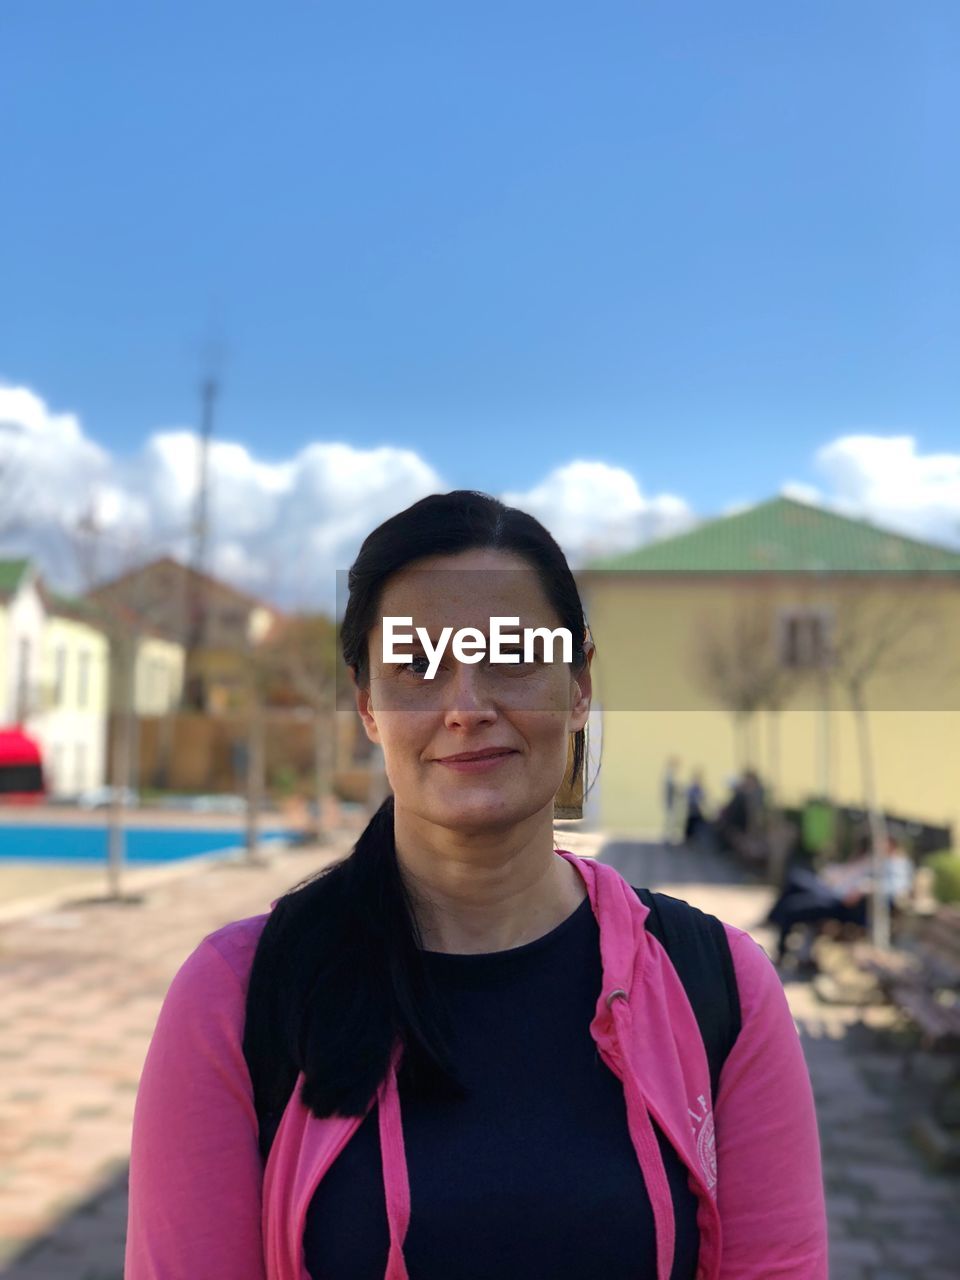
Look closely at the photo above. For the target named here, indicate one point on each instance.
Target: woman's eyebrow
(511, 636)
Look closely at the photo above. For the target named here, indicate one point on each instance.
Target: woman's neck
(486, 891)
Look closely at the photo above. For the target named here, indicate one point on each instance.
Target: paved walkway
(79, 994)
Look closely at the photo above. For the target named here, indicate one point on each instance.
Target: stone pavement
(80, 990)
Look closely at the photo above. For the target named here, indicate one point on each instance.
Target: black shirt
(534, 1174)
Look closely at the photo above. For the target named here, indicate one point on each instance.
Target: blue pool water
(142, 844)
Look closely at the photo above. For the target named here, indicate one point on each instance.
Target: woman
(497, 1070)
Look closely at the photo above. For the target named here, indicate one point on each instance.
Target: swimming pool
(55, 843)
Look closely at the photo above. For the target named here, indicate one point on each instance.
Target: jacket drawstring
(648, 1148)
(396, 1182)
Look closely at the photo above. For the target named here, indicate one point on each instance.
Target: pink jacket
(202, 1208)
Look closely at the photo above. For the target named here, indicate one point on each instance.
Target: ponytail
(337, 978)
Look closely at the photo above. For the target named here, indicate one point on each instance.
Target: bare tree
(124, 629)
(739, 665)
(882, 629)
(258, 672)
(302, 654)
(126, 625)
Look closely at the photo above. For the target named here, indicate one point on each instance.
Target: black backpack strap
(700, 952)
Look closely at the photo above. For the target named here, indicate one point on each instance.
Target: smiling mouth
(471, 757)
(479, 762)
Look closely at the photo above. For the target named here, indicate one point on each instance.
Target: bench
(765, 848)
(921, 979)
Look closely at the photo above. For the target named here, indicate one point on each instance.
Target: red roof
(17, 748)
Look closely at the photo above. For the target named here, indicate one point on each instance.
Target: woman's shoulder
(230, 949)
(755, 974)
(205, 1002)
(758, 982)
(748, 955)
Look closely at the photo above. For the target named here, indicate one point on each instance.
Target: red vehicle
(21, 768)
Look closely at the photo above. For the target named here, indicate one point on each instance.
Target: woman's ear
(582, 690)
(364, 709)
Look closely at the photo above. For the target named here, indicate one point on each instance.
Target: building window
(805, 639)
(83, 678)
(80, 766)
(59, 674)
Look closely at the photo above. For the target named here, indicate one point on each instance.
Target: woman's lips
(481, 765)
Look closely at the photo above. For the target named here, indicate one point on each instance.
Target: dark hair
(338, 973)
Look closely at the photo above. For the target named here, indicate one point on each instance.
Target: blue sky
(698, 242)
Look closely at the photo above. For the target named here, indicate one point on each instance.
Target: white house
(54, 678)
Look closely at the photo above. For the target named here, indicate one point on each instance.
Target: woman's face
(526, 711)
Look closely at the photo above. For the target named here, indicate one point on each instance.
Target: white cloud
(48, 463)
(886, 479)
(280, 529)
(594, 510)
(48, 471)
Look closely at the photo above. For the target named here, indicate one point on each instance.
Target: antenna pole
(196, 628)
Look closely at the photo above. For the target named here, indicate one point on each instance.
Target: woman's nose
(467, 697)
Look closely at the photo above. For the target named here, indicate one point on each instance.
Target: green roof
(784, 535)
(11, 571)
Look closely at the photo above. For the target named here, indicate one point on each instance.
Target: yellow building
(146, 666)
(749, 640)
(158, 679)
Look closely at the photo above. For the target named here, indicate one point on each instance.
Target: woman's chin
(474, 809)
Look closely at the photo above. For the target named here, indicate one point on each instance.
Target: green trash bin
(818, 830)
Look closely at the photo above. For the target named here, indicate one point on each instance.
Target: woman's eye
(520, 664)
(417, 666)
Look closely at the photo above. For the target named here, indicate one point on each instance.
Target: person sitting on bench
(841, 892)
